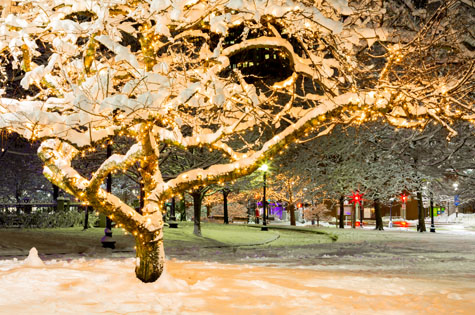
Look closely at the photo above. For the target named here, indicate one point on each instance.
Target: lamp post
(264, 168)
(432, 225)
(107, 240)
(390, 213)
(456, 200)
(361, 214)
(403, 206)
(356, 198)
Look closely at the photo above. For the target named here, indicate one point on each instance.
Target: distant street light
(264, 168)
(403, 206)
(356, 198)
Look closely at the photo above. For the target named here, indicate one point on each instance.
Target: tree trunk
(172, 210)
(55, 196)
(196, 194)
(225, 205)
(421, 227)
(86, 218)
(361, 213)
(182, 208)
(377, 213)
(353, 216)
(141, 198)
(342, 212)
(208, 210)
(18, 198)
(150, 258)
(292, 214)
(55, 192)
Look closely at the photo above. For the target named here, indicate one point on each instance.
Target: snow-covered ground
(109, 286)
(453, 224)
(461, 218)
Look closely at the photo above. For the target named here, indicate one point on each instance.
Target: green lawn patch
(215, 234)
(77, 240)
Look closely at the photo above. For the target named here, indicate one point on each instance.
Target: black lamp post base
(173, 225)
(432, 229)
(107, 240)
(264, 228)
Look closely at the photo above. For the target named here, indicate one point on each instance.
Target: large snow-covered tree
(242, 77)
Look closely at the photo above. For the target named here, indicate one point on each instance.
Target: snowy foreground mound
(107, 286)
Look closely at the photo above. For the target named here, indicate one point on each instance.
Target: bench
(217, 217)
(240, 219)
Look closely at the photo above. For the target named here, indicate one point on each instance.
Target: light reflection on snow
(108, 286)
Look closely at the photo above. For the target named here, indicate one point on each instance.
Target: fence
(27, 208)
(40, 215)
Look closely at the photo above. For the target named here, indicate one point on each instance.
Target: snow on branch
(246, 164)
(115, 162)
(296, 62)
(57, 156)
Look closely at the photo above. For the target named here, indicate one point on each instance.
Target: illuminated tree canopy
(245, 78)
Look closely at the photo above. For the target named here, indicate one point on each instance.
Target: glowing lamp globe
(264, 168)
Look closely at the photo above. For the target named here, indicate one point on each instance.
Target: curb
(332, 236)
(277, 236)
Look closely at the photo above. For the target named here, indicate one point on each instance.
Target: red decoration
(403, 198)
(356, 197)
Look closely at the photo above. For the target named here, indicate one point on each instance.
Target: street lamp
(390, 214)
(456, 200)
(432, 225)
(264, 168)
(356, 198)
(403, 206)
(107, 240)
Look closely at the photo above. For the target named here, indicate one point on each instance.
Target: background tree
(177, 161)
(237, 200)
(198, 194)
(351, 159)
(427, 158)
(288, 188)
(316, 212)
